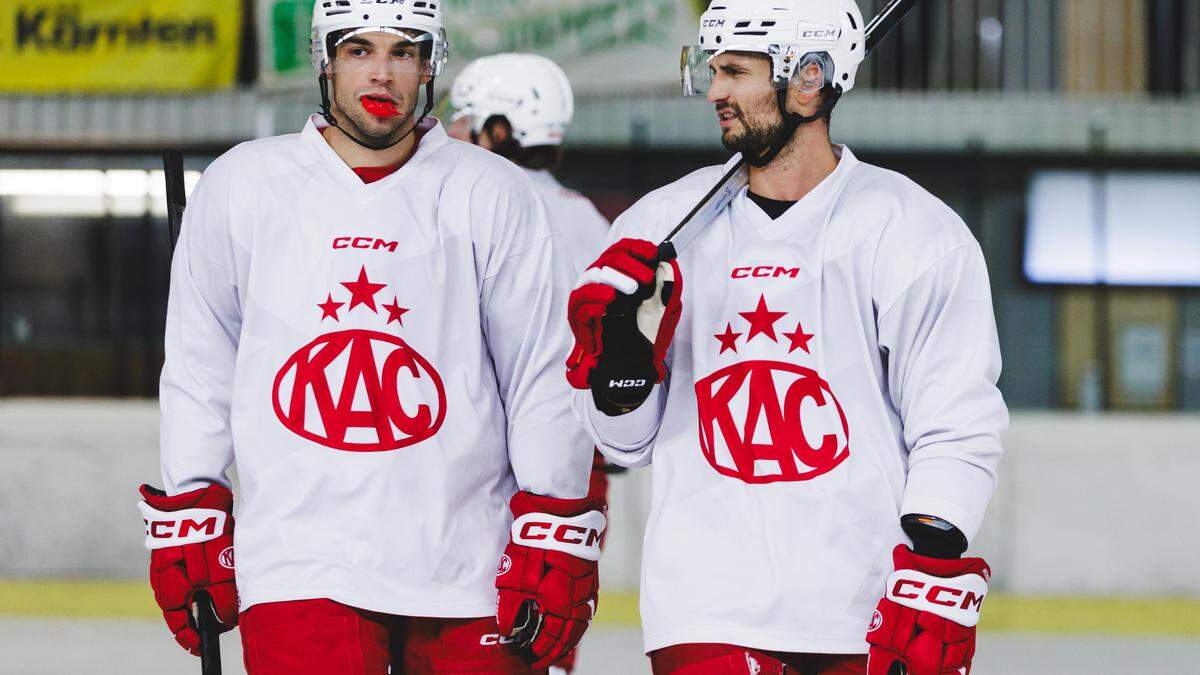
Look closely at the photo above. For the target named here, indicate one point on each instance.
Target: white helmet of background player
(335, 21)
(528, 90)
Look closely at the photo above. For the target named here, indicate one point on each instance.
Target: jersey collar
(813, 207)
(433, 137)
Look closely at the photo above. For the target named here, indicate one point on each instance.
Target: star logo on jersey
(728, 339)
(357, 389)
(766, 418)
(762, 320)
(362, 291)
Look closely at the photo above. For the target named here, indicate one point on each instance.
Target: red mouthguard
(379, 108)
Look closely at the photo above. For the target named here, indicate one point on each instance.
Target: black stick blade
(176, 194)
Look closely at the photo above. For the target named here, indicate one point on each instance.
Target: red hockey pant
(322, 637)
(718, 659)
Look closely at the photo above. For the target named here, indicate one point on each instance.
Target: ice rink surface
(113, 647)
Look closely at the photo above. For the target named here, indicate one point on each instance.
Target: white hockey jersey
(583, 229)
(383, 361)
(832, 369)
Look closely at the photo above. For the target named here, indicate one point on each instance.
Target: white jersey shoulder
(652, 217)
(580, 226)
(917, 230)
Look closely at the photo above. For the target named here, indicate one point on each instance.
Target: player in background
(365, 318)
(519, 106)
(812, 379)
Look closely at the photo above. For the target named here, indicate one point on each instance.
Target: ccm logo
(713, 23)
(170, 529)
(565, 534)
(494, 639)
(365, 243)
(625, 384)
(831, 34)
(945, 596)
(764, 272)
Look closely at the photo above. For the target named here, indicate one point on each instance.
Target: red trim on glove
(670, 321)
(905, 559)
(524, 503)
(215, 496)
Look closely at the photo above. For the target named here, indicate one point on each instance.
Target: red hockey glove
(547, 576)
(926, 620)
(623, 315)
(190, 537)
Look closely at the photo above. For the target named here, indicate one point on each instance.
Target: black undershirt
(772, 207)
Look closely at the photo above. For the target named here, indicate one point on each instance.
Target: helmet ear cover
(813, 73)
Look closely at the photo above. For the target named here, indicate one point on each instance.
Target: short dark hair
(537, 157)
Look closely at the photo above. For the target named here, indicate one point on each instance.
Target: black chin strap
(327, 113)
(792, 122)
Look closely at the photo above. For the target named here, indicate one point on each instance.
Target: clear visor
(381, 49)
(695, 71)
(698, 71)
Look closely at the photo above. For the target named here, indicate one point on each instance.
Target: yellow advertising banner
(71, 46)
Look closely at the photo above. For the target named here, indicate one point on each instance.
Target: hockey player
(366, 318)
(813, 379)
(520, 106)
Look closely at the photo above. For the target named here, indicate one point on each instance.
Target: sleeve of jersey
(626, 440)
(943, 363)
(203, 325)
(525, 309)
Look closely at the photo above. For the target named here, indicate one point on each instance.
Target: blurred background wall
(1065, 132)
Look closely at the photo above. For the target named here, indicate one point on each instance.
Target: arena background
(1065, 132)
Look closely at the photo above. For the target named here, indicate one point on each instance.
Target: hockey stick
(204, 617)
(176, 194)
(738, 177)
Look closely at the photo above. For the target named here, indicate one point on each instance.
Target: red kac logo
(360, 390)
(765, 421)
(305, 379)
(757, 419)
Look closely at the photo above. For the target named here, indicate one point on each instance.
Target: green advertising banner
(565, 30)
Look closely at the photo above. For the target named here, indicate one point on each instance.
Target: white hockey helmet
(399, 17)
(793, 33)
(530, 91)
